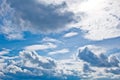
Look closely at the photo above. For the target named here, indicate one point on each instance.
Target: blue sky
(58, 29)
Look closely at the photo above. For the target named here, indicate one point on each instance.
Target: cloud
(9, 25)
(30, 58)
(43, 16)
(40, 46)
(34, 16)
(30, 65)
(4, 51)
(97, 50)
(99, 19)
(70, 34)
(48, 39)
(62, 51)
(26, 64)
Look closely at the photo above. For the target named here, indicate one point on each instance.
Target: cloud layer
(38, 16)
(30, 65)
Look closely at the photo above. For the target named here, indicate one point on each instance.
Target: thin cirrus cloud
(70, 34)
(62, 51)
(40, 47)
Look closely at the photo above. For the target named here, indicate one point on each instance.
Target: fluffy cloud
(70, 34)
(97, 50)
(40, 47)
(30, 65)
(26, 64)
(62, 51)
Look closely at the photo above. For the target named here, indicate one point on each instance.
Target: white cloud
(31, 64)
(32, 59)
(97, 50)
(40, 46)
(99, 18)
(48, 39)
(62, 51)
(70, 34)
(4, 51)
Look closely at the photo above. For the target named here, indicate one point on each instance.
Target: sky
(59, 28)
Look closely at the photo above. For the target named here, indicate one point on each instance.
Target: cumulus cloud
(30, 65)
(34, 16)
(70, 34)
(97, 50)
(26, 64)
(62, 51)
(40, 47)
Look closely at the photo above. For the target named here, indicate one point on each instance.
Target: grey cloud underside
(102, 61)
(41, 17)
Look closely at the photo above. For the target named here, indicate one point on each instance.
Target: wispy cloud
(40, 47)
(4, 51)
(62, 51)
(70, 34)
(48, 39)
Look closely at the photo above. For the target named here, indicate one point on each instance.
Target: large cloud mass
(100, 19)
(41, 16)
(34, 16)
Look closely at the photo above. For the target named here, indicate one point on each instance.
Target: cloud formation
(62, 51)
(33, 16)
(52, 40)
(70, 34)
(30, 65)
(40, 47)
(38, 16)
(99, 19)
